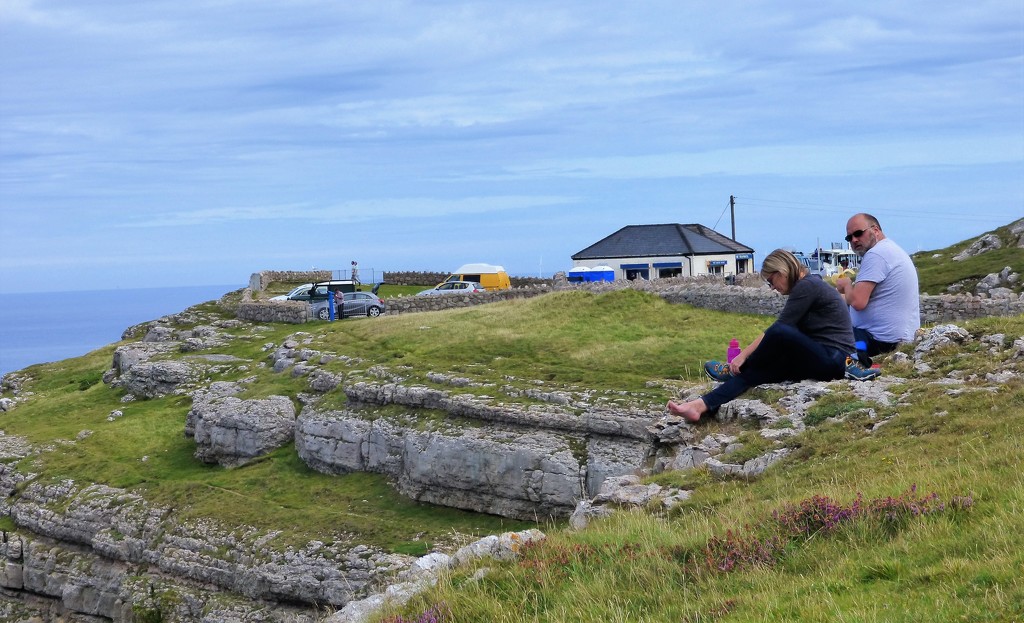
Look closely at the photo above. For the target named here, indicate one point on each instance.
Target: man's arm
(857, 294)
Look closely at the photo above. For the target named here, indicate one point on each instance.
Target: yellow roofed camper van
(489, 276)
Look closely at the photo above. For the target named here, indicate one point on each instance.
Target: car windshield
(300, 289)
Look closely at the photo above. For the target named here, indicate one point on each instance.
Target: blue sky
(191, 143)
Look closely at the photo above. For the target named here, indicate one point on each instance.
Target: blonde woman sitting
(810, 340)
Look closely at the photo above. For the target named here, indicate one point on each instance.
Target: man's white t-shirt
(893, 312)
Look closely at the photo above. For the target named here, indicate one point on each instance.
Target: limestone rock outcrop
(230, 431)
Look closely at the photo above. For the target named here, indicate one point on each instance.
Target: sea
(41, 327)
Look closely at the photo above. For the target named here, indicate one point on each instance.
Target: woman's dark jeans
(784, 354)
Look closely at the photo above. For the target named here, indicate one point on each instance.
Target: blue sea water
(50, 326)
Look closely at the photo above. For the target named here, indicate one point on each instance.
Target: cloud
(808, 159)
(349, 211)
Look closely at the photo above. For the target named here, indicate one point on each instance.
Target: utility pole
(732, 215)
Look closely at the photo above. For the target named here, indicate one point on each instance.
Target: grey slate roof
(657, 240)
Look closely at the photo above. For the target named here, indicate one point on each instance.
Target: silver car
(356, 304)
(454, 287)
(299, 293)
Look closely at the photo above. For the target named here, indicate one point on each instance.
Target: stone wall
(755, 298)
(414, 278)
(289, 312)
(411, 304)
(950, 308)
(258, 282)
(752, 297)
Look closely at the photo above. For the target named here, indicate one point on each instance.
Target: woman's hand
(737, 361)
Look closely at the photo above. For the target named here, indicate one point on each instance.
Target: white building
(668, 250)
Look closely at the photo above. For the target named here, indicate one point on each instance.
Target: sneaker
(717, 371)
(857, 372)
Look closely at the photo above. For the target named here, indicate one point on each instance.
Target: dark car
(317, 291)
(356, 304)
(322, 289)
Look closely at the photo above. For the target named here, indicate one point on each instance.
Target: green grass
(936, 269)
(615, 343)
(955, 565)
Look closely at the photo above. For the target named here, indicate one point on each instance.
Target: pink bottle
(734, 349)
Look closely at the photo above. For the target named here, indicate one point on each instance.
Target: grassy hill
(937, 270)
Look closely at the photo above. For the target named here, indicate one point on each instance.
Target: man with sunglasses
(885, 305)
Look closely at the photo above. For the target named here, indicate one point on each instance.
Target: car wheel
(323, 313)
(373, 311)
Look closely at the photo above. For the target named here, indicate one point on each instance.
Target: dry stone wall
(950, 308)
(258, 282)
(288, 312)
(412, 304)
(749, 296)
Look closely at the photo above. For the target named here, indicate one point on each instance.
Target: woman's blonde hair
(785, 263)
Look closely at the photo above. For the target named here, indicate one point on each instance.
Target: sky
(185, 142)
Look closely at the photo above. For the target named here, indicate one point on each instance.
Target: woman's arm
(737, 362)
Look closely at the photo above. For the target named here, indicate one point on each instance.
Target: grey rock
(159, 378)
(159, 334)
(626, 491)
(127, 356)
(941, 336)
(672, 429)
(498, 469)
(743, 409)
(985, 243)
(424, 573)
(231, 432)
(321, 381)
(756, 466)
(585, 512)
(1002, 293)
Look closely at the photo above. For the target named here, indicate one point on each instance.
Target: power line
(720, 217)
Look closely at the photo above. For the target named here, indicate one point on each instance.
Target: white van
(489, 276)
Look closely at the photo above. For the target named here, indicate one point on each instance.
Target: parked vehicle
(356, 304)
(298, 293)
(454, 287)
(491, 277)
(817, 267)
(322, 289)
(318, 291)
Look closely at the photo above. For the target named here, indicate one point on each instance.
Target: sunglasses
(856, 234)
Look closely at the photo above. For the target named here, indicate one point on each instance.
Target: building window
(716, 267)
(668, 273)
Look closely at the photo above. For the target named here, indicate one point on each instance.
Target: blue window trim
(668, 264)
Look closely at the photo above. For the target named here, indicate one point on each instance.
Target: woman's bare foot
(691, 411)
